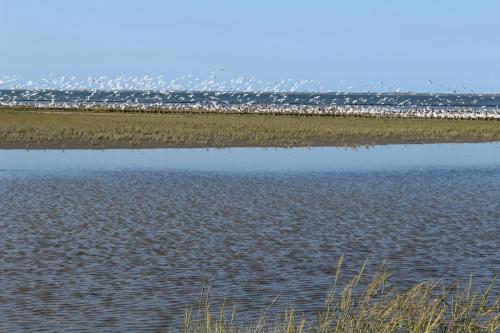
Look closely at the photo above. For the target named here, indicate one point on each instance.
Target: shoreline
(455, 112)
(125, 146)
(77, 129)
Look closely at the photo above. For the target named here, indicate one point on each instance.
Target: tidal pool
(124, 240)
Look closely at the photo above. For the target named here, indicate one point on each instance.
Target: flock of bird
(241, 95)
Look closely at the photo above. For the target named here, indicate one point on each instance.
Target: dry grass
(37, 129)
(424, 308)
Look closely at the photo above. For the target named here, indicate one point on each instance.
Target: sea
(225, 98)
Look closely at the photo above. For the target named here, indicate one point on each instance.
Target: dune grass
(85, 129)
(424, 308)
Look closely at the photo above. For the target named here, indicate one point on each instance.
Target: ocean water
(102, 97)
(127, 242)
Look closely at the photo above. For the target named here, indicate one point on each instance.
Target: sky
(419, 46)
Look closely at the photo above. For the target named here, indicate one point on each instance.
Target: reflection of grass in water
(105, 129)
(377, 308)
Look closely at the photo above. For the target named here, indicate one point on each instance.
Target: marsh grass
(426, 307)
(95, 129)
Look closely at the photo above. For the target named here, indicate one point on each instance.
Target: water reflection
(387, 157)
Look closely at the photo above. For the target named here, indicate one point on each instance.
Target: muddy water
(126, 249)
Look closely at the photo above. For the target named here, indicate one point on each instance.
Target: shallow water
(110, 240)
(374, 158)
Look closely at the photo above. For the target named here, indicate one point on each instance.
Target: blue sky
(339, 44)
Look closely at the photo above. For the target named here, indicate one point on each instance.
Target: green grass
(424, 308)
(90, 129)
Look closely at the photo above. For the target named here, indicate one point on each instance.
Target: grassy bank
(44, 129)
(377, 308)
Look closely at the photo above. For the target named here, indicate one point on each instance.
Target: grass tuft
(424, 308)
